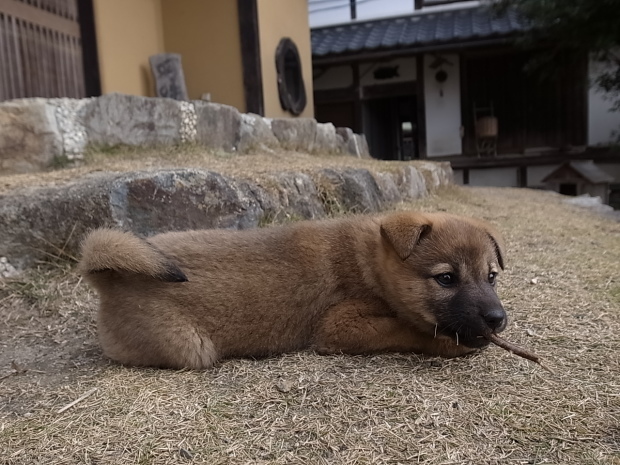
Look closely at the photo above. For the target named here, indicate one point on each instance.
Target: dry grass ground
(124, 159)
(490, 408)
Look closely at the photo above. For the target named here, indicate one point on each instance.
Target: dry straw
(490, 408)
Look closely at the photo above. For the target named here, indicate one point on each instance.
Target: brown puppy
(404, 282)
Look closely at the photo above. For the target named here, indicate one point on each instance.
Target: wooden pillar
(357, 102)
(421, 112)
(250, 57)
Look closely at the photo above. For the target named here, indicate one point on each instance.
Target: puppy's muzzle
(495, 319)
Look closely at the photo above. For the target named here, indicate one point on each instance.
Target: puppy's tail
(109, 249)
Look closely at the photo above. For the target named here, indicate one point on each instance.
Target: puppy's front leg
(359, 327)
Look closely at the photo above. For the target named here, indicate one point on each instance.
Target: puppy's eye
(446, 279)
(492, 277)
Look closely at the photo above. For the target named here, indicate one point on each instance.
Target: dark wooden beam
(90, 54)
(250, 56)
(398, 89)
(421, 107)
(346, 94)
(438, 2)
(522, 176)
(358, 108)
(465, 176)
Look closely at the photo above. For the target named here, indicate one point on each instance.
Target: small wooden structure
(579, 178)
(486, 130)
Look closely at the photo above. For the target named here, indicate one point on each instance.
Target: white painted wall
(443, 108)
(535, 174)
(382, 8)
(494, 177)
(457, 175)
(602, 122)
(612, 169)
(406, 71)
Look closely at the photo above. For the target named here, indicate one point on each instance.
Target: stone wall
(39, 222)
(36, 133)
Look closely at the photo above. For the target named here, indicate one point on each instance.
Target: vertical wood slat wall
(40, 49)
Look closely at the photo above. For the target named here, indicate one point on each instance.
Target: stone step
(39, 222)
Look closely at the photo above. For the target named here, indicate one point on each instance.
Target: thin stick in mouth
(517, 350)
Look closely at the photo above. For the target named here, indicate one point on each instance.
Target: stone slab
(118, 119)
(29, 136)
(169, 78)
(217, 126)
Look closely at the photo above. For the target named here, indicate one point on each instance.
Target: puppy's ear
(496, 238)
(498, 242)
(402, 231)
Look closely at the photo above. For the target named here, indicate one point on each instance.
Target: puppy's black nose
(495, 319)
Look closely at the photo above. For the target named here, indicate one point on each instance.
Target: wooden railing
(40, 49)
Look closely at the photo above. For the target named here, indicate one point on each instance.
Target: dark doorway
(341, 114)
(568, 189)
(534, 108)
(390, 126)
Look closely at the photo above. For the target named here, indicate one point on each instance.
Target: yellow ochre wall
(128, 32)
(206, 34)
(278, 19)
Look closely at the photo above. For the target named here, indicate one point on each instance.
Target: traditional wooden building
(79, 48)
(447, 80)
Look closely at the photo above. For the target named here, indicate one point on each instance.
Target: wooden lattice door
(40, 49)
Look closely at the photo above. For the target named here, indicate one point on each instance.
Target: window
(291, 86)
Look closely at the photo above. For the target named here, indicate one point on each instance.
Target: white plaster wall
(494, 177)
(406, 71)
(612, 169)
(443, 108)
(457, 175)
(383, 8)
(601, 121)
(336, 77)
(535, 174)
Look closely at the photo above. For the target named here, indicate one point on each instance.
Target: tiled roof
(417, 30)
(585, 169)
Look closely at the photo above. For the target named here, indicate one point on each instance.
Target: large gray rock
(326, 139)
(255, 135)
(354, 144)
(289, 196)
(435, 174)
(296, 134)
(116, 119)
(29, 136)
(410, 182)
(51, 221)
(43, 222)
(217, 126)
(149, 203)
(349, 190)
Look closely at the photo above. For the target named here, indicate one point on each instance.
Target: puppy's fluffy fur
(399, 282)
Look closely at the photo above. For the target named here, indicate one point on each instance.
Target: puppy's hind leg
(194, 351)
(144, 342)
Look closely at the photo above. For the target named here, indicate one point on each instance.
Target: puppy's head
(442, 272)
